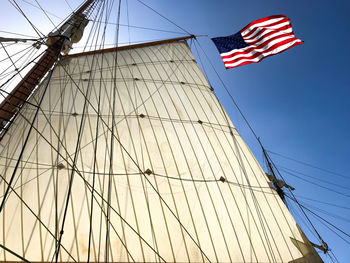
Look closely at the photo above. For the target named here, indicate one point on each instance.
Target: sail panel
(154, 163)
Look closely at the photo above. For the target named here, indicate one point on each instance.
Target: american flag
(258, 40)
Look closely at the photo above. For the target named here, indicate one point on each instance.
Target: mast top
(58, 41)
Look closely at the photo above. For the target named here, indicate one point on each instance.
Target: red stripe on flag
(269, 25)
(268, 40)
(262, 20)
(264, 56)
(272, 31)
(248, 50)
(258, 53)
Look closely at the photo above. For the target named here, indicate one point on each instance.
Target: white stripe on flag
(264, 37)
(260, 57)
(253, 46)
(262, 24)
(262, 30)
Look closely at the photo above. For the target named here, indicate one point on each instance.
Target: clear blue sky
(297, 102)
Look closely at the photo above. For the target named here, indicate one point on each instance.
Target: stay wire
(88, 184)
(14, 253)
(325, 212)
(126, 222)
(249, 125)
(309, 165)
(10, 58)
(322, 202)
(25, 16)
(22, 68)
(109, 191)
(27, 56)
(229, 93)
(45, 13)
(312, 177)
(318, 185)
(139, 168)
(70, 7)
(295, 199)
(336, 259)
(64, 159)
(332, 230)
(17, 53)
(145, 28)
(25, 142)
(320, 217)
(164, 17)
(18, 34)
(96, 144)
(36, 216)
(80, 132)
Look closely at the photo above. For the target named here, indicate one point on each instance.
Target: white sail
(171, 173)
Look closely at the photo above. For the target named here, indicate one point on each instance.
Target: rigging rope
(14, 253)
(321, 218)
(309, 165)
(25, 16)
(293, 172)
(96, 143)
(164, 17)
(36, 216)
(109, 192)
(253, 132)
(25, 143)
(46, 14)
(153, 187)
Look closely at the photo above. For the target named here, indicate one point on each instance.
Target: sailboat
(125, 154)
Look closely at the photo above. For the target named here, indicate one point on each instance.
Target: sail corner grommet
(222, 179)
(60, 166)
(148, 172)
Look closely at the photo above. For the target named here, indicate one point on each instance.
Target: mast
(57, 42)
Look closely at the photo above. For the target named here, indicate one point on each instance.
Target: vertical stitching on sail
(181, 146)
(262, 171)
(192, 147)
(167, 139)
(213, 148)
(133, 144)
(244, 194)
(158, 147)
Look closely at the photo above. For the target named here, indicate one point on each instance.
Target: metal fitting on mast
(323, 247)
(72, 31)
(58, 41)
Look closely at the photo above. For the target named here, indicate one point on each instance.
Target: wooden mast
(17, 97)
